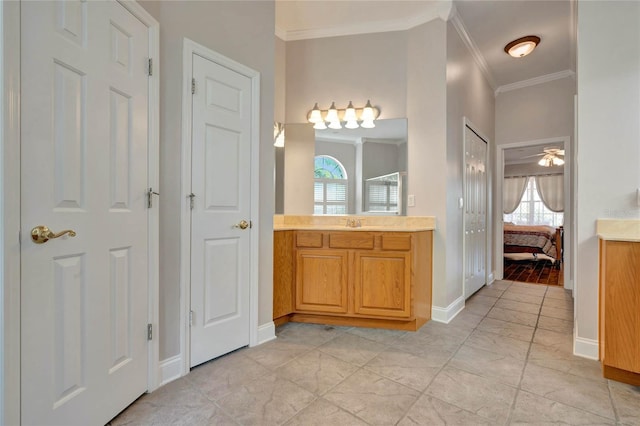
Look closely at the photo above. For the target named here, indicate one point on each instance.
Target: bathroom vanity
(619, 302)
(373, 272)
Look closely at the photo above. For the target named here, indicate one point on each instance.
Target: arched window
(330, 189)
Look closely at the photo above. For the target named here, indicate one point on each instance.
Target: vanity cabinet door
(321, 280)
(383, 284)
(620, 306)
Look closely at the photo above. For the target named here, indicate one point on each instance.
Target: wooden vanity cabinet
(619, 307)
(374, 279)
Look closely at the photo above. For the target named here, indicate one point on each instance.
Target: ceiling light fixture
(522, 46)
(334, 117)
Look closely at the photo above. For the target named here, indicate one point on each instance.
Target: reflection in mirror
(310, 162)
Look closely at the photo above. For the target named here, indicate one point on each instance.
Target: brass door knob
(41, 234)
(243, 224)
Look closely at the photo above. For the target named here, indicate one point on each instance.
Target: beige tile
(560, 341)
(559, 293)
(144, 413)
(321, 413)
(513, 316)
(466, 319)
(307, 334)
(531, 289)
(221, 376)
(482, 299)
(566, 304)
(518, 306)
(626, 399)
(435, 355)
(407, 369)
(266, 401)
(534, 409)
(549, 311)
(316, 371)
(353, 349)
(378, 334)
(373, 398)
(277, 352)
(500, 284)
(505, 328)
(502, 368)
(585, 394)
(431, 411)
(498, 344)
(558, 358)
(522, 297)
(555, 324)
(485, 397)
(490, 291)
(478, 308)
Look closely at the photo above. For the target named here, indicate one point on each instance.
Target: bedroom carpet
(532, 271)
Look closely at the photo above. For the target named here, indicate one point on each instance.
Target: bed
(534, 240)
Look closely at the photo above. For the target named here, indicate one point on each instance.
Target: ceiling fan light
(522, 46)
(542, 162)
(557, 161)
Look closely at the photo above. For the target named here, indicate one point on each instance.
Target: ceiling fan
(550, 157)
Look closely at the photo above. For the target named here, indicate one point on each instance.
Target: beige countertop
(618, 229)
(366, 223)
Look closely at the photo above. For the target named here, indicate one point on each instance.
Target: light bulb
(557, 161)
(332, 114)
(320, 125)
(335, 125)
(367, 113)
(350, 114)
(543, 161)
(367, 124)
(316, 115)
(351, 124)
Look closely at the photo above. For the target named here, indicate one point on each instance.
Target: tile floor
(505, 359)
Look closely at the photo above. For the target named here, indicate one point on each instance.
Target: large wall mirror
(346, 171)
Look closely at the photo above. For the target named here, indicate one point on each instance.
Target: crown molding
(435, 11)
(535, 81)
(473, 48)
(281, 34)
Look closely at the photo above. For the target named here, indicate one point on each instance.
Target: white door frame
(10, 202)
(189, 49)
(568, 218)
(487, 161)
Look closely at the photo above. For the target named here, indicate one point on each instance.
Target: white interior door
(221, 195)
(84, 167)
(475, 213)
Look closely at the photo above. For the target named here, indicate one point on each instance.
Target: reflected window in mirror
(383, 194)
(330, 186)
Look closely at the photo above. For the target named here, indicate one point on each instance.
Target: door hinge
(149, 331)
(190, 318)
(150, 67)
(193, 86)
(150, 194)
(191, 196)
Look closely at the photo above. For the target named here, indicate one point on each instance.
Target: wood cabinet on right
(619, 307)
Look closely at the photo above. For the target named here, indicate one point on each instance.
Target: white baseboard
(491, 278)
(586, 348)
(170, 369)
(445, 315)
(266, 333)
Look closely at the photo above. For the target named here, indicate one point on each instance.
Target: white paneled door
(475, 212)
(84, 168)
(220, 210)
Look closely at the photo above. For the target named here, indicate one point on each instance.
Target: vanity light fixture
(278, 135)
(353, 117)
(522, 46)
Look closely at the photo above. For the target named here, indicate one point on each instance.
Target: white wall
(244, 32)
(427, 142)
(608, 148)
(536, 112)
(280, 89)
(350, 68)
(468, 95)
